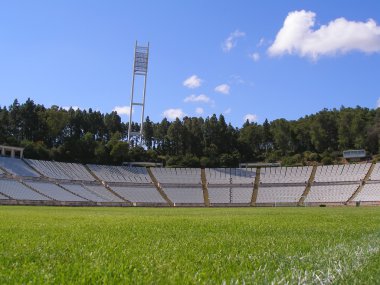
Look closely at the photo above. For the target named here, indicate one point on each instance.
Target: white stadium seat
(230, 195)
(330, 193)
(17, 167)
(101, 191)
(369, 193)
(61, 170)
(135, 175)
(18, 191)
(54, 191)
(237, 176)
(139, 194)
(283, 194)
(83, 192)
(375, 175)
(341, 173)
(285, 175)
(177, 175)
(185, 195)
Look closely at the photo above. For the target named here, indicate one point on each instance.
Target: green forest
(88, 136)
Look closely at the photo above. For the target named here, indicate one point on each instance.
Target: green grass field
(53, 245)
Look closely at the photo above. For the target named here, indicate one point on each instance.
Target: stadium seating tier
(17, 167)
(18, 191)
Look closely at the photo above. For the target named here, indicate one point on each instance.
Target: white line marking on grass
(333, 263)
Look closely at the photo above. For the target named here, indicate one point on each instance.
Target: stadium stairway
(159, 188)
(361, 185)
(114, 192)
(4, 170)
(92, 173)
(34, 189)
(67, 190)
(106, 185)
(4, 194)
(204, 187)
(255, 187)
(308, 186)
(32, 167)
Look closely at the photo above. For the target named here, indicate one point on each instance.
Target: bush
(327, 160)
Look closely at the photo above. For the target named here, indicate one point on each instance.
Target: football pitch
(62, 245)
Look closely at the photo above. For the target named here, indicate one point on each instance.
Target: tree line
(88, 136)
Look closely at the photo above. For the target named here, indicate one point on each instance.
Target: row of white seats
(17, 167)
(139, 194)
(96, 193)
(369, 193)
(177, 170)
(340, 173)
(230, 175)
(331, 193)
(18, 191)
(62, 192)
(177, 175)
(288, 194)
(102, 192)
(226, 195)
(185, 195)
(285, 174)
(2, 197)
(61, 170)
(53, 191)
(375, 175)
(120, 173)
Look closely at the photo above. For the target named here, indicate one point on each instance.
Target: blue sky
(245, 59)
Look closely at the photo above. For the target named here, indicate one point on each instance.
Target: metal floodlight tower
(140, 68)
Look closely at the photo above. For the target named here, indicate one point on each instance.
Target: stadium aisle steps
(159, 188)
(106, 186)
(34, 168)
(82, 191)
(2, 171)
(204, 188)
(361, 185)
(115, 193)
(35, 190)
(92, 173)
(308, 186)
(5, 195)
(102, 192)
(256, 187)
(60, 186)
(17, 191)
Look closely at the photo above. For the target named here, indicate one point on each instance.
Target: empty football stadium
(38, 182)
(190, 142)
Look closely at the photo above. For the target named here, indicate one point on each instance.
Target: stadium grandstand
(28, 181)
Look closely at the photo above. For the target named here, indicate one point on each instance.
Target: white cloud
(122, 110)
(378, 103)
(68, 108)
(200, 98)
(223, 88)
(172, 114)
(199, 111)
(192, 82)
(231, 41)
(337, 37)
(251, 118)
(255, 56)
(227, 111)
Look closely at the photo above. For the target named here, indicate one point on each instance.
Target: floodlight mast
(140, 68)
